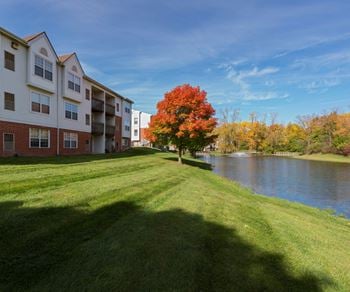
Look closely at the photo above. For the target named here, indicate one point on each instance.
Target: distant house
(139, 123)
(49, 106)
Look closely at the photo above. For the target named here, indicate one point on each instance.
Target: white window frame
(40, 95)
(70, 135)
(76, 82)
(48, 137)
(46, 62)
(77, 112)
(3, 142)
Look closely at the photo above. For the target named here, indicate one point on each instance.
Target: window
(39, 138)
(70, 140)
(40, 103)
(9, 142)
(9, 101)
(125, 142)
(87, 119)
(43, 68)
(127, 128)
(127, 110)
(48, 70)
(71, 111)
(43, 51)
(87, 94)
(9, 61)
(136, 132)
(118, 107)
(136, 121)
(73, 82)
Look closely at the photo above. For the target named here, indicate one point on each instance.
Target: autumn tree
(184, 118)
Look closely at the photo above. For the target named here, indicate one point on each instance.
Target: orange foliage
(184, 115)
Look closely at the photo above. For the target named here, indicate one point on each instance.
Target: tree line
(323, 133)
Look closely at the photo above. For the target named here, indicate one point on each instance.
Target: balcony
(97, 105)
(110, 130)
(110, 110)
(97, 128)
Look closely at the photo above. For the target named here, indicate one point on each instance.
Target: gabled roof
(64, 58)
(33, 36)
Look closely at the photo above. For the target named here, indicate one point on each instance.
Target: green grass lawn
(325, 157)
(141, 222)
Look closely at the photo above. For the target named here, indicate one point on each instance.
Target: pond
(324, 185)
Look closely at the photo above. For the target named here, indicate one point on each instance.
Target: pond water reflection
(319, 184)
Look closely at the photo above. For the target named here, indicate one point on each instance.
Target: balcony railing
(97, 128)
(97, 105)
(110, 130)
(110, 110)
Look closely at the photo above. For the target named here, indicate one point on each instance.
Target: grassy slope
(146, 223)
(325, 157)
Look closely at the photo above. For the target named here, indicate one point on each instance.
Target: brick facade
(21, 140)
(84, 143)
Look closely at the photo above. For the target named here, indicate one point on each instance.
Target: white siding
(126, 117)
(135, 115)
(16, 83)
(34, 49)
(70, 96)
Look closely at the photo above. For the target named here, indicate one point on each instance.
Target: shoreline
(312, 157)
(324, 157)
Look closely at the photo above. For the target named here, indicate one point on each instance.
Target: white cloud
(264, 96)
(320, 86)
(241, 78)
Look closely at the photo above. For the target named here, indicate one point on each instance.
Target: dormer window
(73, 82)
(43, 68)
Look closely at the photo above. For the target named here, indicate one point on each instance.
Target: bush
(346, 150)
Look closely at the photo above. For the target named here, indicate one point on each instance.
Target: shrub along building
(139, 123)
(48, 106)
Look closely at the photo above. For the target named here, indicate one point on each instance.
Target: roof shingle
(31, 37)
(65, 57)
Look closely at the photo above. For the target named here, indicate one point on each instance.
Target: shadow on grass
(76, 158)
(126, 248)
(192, 162)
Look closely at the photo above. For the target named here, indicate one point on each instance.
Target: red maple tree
(185, 119)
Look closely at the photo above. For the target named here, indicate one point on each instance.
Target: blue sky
(285, 57)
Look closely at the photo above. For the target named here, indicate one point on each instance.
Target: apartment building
(49, 106)
(139, 123)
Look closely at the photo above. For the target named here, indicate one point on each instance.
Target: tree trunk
(180, 155)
